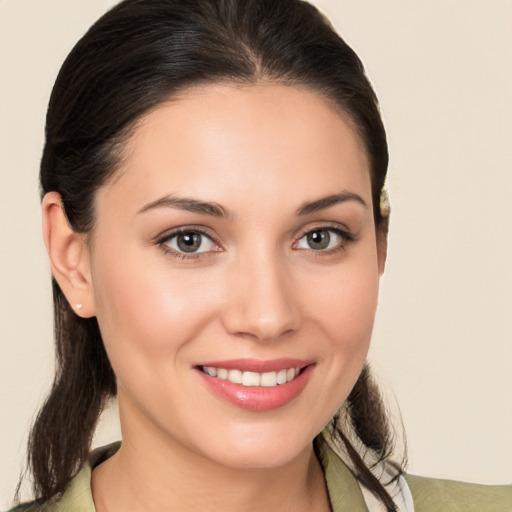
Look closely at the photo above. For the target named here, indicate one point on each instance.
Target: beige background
(442, 341)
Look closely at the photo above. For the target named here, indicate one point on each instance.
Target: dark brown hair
(132, 59)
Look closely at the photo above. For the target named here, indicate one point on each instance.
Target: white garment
(401, 495)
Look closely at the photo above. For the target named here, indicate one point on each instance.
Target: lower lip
(258, 398)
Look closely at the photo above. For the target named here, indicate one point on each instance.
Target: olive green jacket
(428, 494)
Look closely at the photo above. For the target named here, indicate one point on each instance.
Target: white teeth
(267, 379)
(281, 376)
(291, 373)
(251, 379)
(235, 376)
(222, 373)
(210, 370)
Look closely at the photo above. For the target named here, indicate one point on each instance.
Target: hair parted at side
(138, 55)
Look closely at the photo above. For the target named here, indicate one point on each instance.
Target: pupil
(189, 242)
(319, 239)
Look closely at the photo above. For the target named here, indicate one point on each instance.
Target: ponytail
(361, 429)
(60, 438)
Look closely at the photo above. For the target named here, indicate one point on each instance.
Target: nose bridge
(261, 300)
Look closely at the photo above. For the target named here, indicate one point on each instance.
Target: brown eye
(190, 242)
(319, 239)
(323, 239)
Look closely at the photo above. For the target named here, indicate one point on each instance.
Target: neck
(152, 473)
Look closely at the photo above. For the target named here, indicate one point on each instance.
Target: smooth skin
(258, 284)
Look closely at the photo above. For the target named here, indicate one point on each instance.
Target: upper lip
(257, 365)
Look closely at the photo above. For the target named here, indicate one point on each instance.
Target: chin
(262, 459)
(260, 451)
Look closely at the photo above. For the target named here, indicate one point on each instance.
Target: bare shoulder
(436, 495)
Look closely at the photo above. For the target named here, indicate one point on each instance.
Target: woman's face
(236, 243)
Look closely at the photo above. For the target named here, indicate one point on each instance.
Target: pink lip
(256, 398)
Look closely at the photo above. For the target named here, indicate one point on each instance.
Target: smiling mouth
(253, 379)
(257, 385)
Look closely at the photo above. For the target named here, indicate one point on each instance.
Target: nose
(261, 300)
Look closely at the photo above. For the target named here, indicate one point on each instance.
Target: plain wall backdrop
(443, 337)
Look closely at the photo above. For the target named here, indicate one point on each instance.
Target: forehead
(248, 141)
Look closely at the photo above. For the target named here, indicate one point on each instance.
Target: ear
(69, 256)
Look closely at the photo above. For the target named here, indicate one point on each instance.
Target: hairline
(118, 148)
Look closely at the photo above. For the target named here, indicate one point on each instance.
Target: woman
(212, 202)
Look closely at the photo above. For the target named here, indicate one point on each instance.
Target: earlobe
(69, 256)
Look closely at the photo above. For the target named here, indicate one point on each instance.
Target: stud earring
(78, 306)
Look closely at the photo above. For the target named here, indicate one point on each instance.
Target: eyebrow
(187, 204)
(216, 210)
(328, 201)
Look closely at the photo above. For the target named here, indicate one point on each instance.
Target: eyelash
(164, 240)
(345, 235)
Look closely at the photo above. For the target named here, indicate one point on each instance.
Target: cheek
(344, 304)
(147, 310)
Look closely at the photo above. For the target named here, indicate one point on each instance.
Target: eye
(189, 242)
(323, 239)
